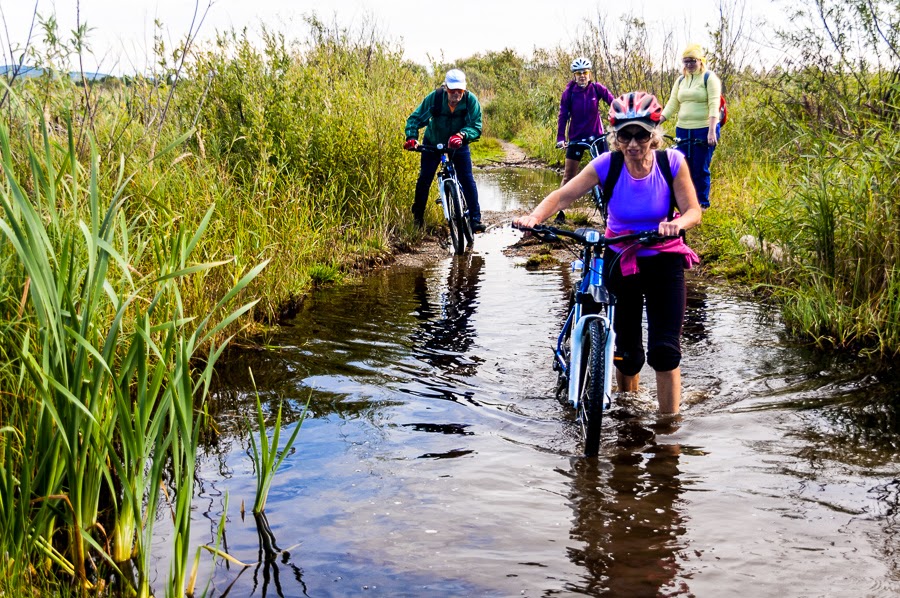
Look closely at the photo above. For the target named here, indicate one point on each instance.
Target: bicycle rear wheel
(599, 202)
(457, 219)
(590, 404)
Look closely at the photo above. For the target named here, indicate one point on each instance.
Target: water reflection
(446, 331)
(514, 188)
(696, 313)
(265, 574)
(628, 516)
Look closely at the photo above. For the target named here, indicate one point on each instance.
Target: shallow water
(436, 461)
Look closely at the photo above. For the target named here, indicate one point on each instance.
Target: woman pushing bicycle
(452, 117)
(648, 187)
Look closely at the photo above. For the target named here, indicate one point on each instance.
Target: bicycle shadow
(628, 519)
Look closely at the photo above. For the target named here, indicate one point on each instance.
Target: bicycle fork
(576, 380)
(442, 197)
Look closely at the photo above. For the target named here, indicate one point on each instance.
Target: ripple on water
(438, 460)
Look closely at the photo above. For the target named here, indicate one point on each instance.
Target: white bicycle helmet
(582, 64)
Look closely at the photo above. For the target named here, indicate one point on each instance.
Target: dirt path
(433, 244)
(514, 158)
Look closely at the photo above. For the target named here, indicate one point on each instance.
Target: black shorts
(577, 151)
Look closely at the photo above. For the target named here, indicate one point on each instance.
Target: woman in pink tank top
(641, 200)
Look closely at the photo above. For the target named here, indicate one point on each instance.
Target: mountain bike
(583, 356)
(451, 199)
(595, 147)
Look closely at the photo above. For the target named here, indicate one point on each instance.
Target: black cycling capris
(660, 285)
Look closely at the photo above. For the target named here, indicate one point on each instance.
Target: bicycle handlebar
(437, 149)
(688, 141)
(591, 146)
(550, 233)
(585, 143)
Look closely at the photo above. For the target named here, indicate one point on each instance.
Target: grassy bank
(144, 222)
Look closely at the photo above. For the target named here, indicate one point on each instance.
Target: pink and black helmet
(635, 108)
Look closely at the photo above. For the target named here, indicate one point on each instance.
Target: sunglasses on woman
(625, 137)
(582, 73)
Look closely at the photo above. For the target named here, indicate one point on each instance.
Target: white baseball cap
(455, 79)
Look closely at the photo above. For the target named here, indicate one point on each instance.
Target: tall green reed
(266, 456)
(111, 409)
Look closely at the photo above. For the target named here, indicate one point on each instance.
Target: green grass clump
(322, 274)
(541, 260)
(487, 150)
(105, 353)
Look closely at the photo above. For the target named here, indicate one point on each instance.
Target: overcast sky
(123, 29)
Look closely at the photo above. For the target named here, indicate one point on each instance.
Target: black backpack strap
(438, 102)
(616, 163)
(662, 160)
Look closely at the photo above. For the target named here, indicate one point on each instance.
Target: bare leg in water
(668, 388)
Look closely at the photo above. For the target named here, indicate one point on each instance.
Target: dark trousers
(660, 283)
(699, 157)
(462, 162)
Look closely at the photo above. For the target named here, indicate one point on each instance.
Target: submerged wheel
(590, 405)
(562, 378)
(457, 219)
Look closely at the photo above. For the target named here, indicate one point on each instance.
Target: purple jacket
(580, 109)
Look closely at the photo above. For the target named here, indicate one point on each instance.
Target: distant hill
(32, 71)
(24, 71)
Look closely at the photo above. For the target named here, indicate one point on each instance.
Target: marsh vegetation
(149, 220)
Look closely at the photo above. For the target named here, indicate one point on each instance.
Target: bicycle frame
(584, 351)
(576, 326)
(593, 147)
(456, 211)
(446, 172)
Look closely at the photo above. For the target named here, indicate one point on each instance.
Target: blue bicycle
(583, 356)
(451, 199)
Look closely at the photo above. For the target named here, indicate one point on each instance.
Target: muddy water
(436, 462)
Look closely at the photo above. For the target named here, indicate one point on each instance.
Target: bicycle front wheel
(466, 223)
(457, 219)
(590, 404)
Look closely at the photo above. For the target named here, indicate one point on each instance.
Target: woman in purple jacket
(579, 115)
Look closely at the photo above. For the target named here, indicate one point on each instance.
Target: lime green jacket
(466, 119)
(694, 101)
